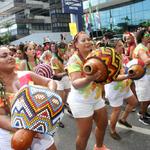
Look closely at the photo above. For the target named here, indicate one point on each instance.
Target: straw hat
(46, 40)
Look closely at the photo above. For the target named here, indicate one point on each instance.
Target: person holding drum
(116, 92)
(142, 85)
(11, 82)
(85, 97)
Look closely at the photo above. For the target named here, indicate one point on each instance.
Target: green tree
(145, 23)
(126, 19)
(6, 38)
(7, 25)
(124, 25)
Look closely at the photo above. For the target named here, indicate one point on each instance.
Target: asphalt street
(136, 138)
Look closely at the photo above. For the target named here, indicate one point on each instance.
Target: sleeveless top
(28, 64)
(136, 54)
(56, 64)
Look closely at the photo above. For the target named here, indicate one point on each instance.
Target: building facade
(112, 14)
(24, 17)
(59, 20)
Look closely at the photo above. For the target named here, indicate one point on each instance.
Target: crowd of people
(59, 66)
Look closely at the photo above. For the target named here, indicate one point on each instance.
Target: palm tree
(126, 19)
(124, 24)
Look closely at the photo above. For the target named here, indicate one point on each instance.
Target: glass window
(115, 12)
(146, 14)
(138, 7)
(136, 13)
(138, 16)
(128, 9)
(146, 5)
(116, 20)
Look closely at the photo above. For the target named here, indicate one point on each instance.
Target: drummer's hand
(133, 75)
(52, 85)
(14, 130)
(94, 76)
(38, 135)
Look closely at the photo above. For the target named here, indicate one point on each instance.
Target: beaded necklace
(4, 99)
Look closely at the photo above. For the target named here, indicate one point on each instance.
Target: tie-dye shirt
(136, 55)
(90, 92)
(118, 87)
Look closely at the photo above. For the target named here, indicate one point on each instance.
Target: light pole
(110, 19)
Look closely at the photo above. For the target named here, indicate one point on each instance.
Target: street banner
(74, 7)
(73, 29)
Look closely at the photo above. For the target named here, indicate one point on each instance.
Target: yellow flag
(73, 28)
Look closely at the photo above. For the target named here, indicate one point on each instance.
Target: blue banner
(74, 7)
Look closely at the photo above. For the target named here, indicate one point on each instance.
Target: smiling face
(83, 43)
(7, 62)
(146, 38)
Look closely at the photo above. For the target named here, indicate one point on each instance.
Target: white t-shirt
(90, 93)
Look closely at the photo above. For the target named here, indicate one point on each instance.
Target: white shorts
(142, 87)
(83, 110)
(38, 144)
(116, 100)
(63, 84)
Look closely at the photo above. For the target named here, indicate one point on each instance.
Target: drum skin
(22, 139)
(106, 60)
(135, 69)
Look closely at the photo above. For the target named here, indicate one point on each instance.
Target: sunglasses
(63, 50)
(147, 35)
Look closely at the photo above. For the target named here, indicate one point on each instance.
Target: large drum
(136, 69)
(35, 109)
(106, 60)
